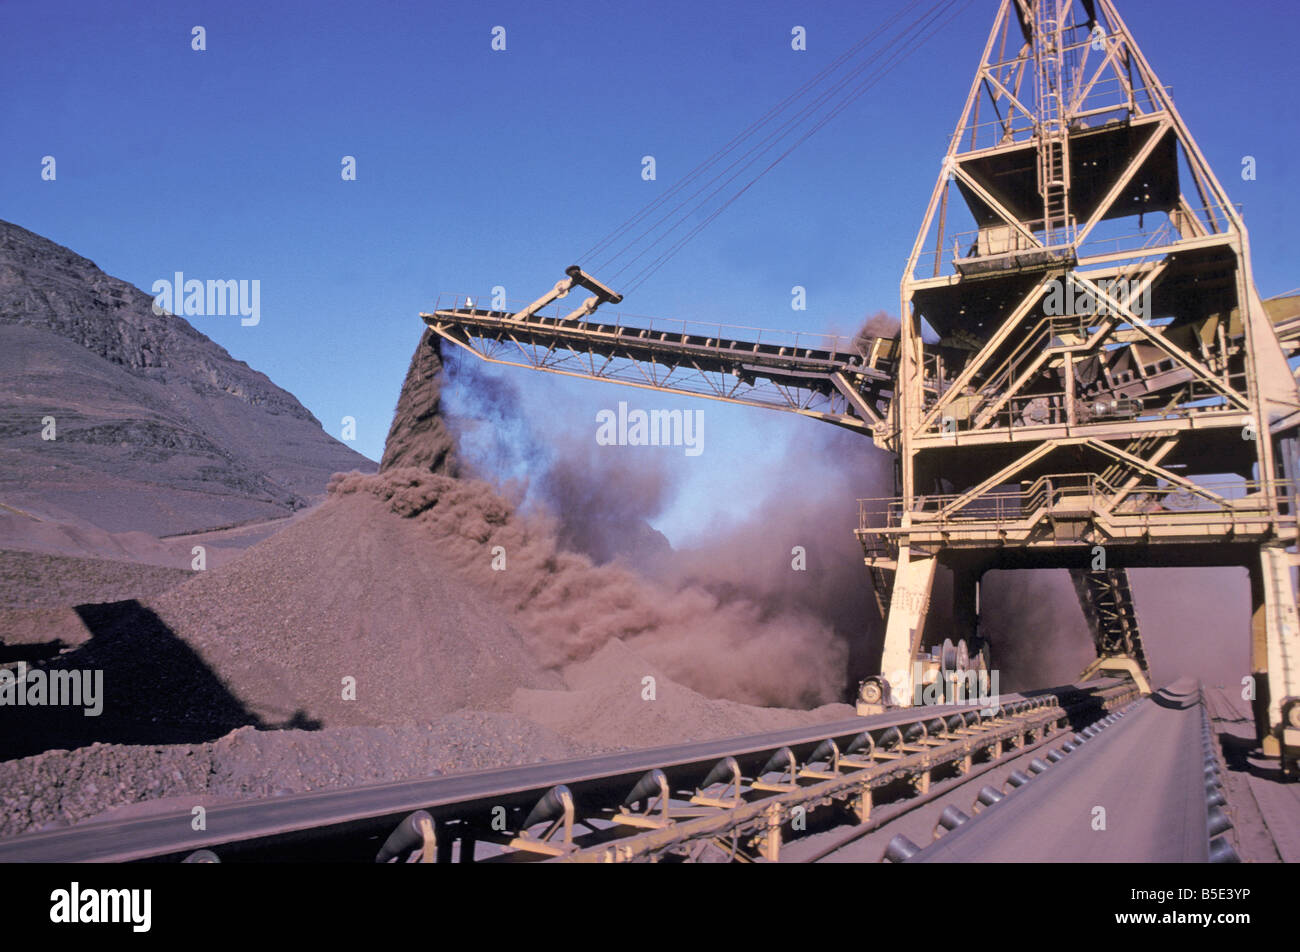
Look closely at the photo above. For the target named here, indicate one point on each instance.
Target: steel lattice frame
(1105, 426)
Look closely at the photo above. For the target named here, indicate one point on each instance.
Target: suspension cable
(929, 25)
(744, 134)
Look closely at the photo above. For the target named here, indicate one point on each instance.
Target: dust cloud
(731, 616)
(774, 611)
(1035, 628)
(568, 607)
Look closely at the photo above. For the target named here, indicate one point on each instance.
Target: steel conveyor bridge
(841, 380)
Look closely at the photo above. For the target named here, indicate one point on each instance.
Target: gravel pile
(609, 707)
(352, 591)
(379, 623)
(60, 787)
(34, 580)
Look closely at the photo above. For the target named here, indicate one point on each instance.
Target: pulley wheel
(948, 657)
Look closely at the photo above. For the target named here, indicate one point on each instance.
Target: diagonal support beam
(986, 353)
(1142, 326)
(1157, 134)
(1124, 491)
(1113, 47)
(1103, 332)
(993, 81)
(1004, 474)
(1159, 472)
(994, 205)
(855, 399)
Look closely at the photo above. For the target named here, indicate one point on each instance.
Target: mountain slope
(158, 428)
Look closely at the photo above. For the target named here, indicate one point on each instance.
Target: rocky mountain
(157, 428)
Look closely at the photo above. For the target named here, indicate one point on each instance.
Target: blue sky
(479, 168)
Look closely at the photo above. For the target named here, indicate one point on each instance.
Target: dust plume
(568, 607)
(776, 610)
(1195, 622)
(604, 501)
(1036, 631)
(796, 557)
(798, 551)
(881, 324)
(486, 414)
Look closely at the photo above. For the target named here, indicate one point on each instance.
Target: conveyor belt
(264, 827)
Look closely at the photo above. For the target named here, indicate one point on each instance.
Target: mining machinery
(1085, 377)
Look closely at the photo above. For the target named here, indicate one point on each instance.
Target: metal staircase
(1107, 603)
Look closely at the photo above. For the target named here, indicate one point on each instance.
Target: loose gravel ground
(61, 787)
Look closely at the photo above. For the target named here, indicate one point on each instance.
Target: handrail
(1241, 498)
(1134, 243)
